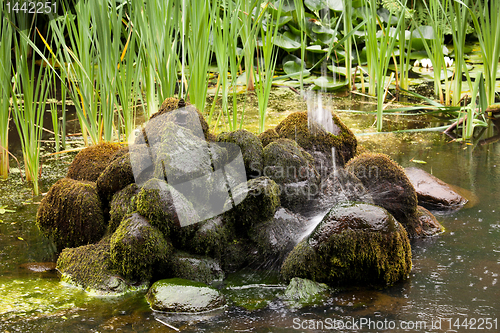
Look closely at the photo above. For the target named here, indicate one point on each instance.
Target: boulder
(293, 169)
(251, 149)
(137, 248)
(211, 238)
(268, 136)
(115, 177)
(389, 187)
(89, 267)
(91, 161)
(196, 268)
(318, 142)
(252, 203)
(165, 208)
(428, 225)
(354, 244)
(340, 186)
(180, 295)
(71, 214)
(123, 203)
(433, 193)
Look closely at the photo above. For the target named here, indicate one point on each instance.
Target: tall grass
(249, 23)
(199, 20)
(267, 63)
(31, 86)
(379, 52)
(301, 20)
(5, 93)
(486, 22)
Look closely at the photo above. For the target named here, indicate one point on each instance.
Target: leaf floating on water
(3, 210)
(20, 238)
(418, 161)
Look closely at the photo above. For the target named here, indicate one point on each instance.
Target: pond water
(455, 274)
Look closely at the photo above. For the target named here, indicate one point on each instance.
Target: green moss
(155, 202)
(257, 201)
(137, 248)
(90, 268)
(295, 127)
(90, 162)
(71, 214)
(211, 238)
(116, 176)
(389, 187)
(196, 268)
(123, 203)
(251, 149)
(268, 136)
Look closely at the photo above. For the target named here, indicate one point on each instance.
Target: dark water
(454, 277)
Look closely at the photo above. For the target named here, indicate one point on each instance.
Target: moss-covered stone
(137, 248)
(211, 238)
(175, 111)
(180, 295)
(91, 161)
(71, 214)
(389, 187)
(252, 203)
(268, 136)
(123, 203)
(304, 292)
(165, 208)
(340, 186)
(295, 127)
(428, 225)
(115, 177)
(293, 169)
(353, 244)
(89, 267)
(196, 268)
(251, 149)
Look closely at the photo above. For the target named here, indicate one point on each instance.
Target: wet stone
(432, 192)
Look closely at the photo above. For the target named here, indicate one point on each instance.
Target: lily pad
(316, 49)
(328, 83)
(292, 67)
(287, 41)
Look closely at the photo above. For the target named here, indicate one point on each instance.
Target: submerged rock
(319, 143)
(91, 161)
(71, 214)
(39, 267)
(180, 295)
(432, 192)
(302, 292)
(388, 186)
(354, 244)
(250, 147)
(428, 224)
(137, 248)
(89, 267)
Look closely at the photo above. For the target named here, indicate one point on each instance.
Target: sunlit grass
(5, 93)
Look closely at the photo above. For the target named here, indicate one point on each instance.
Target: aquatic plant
(5, 93)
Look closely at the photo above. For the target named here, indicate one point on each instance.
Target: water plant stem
(5, 93)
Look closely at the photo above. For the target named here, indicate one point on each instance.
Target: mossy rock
(137, 248)
(71, 214)
(180, 295)
(91, 161)
(304, 292)
(342, 185)
(211, 238)
(123, 203)
(89, 267)
(389, 187)
(293, 169)
(295, 127)
(251, 149)
(252, 203)
(355, 244)
(196, 268)
(268, 136)
(174, 111)
(165, 208)
(276, 237)
(115, 177)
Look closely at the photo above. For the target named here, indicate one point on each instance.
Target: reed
(5, 93)
(29, 95)
(486, 22)
(301, 20)
(267, 63)
(248, 18)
